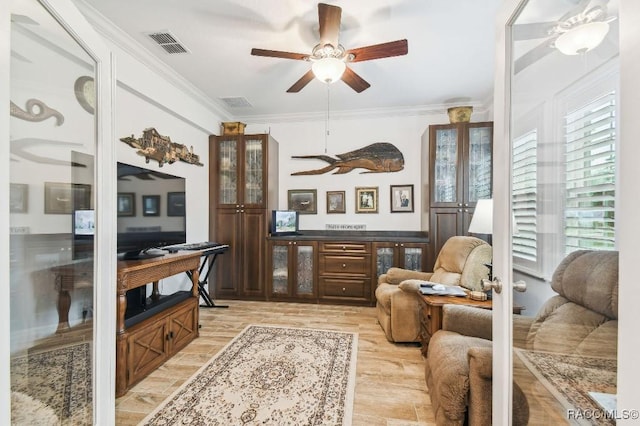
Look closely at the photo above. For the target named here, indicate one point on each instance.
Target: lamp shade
(328, 70)
(582, 38)
(482, 220)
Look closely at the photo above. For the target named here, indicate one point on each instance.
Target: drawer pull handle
(344, 247)
(344, 265)
(344, 289)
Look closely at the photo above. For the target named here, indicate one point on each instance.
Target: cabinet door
(148, 349)
(253, 172)
(280, 254)
(384, 257)
(445, 223)
(226, 151)
(414, 256)
(304, 269)
(183, 327)
(228, 231)
(251, 263)
(477, 162)
(446, 172)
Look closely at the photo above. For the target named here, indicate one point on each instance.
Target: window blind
(524, 196)
(590, 135)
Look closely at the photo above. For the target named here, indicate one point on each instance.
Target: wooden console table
(165, 328)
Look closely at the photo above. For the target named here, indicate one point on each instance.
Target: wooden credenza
(339, 267)
(145, 341)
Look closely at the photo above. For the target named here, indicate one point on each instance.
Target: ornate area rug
(59, 378)
(270, 375)
(571, 379)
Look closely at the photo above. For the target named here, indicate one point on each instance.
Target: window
(524, 197)
(590, 135)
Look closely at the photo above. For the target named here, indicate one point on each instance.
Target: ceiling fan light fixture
(328, 70)
(582, 38)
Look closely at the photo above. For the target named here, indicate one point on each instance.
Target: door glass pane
(446, 165)
(413, 258)
(304, 269)
(384, 260)
(479, 163)
(280, 272)
(52, 220)
(228, 165)
(253, 169)
(563, 137)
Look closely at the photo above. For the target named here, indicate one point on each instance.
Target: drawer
(345, 288)
(345, 247)
(345, 265)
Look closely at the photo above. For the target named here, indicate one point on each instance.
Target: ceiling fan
(587, 21)
(329, 58)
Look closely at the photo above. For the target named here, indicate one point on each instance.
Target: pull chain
(326, 122)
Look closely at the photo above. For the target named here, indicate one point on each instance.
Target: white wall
(348, 133)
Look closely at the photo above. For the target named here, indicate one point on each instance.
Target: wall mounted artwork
(381, 157)
(154, 146)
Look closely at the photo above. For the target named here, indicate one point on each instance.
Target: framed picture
(176, 204)
(367, 199)
(19, 198)
(336, 202)
(303, 201)
(401, 198)
(64, 198)
(151, 205)
(126, 204)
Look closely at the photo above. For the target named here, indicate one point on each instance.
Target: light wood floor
(390, 386)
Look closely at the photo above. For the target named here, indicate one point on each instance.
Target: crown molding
(117, 36)
(422, 110)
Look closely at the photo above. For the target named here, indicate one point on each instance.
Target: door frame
(67, 14)
(628, 205)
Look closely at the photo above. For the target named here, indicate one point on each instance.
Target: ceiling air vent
(236, 102)
(168, 42)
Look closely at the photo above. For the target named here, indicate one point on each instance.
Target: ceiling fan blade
(299, 85)
(579, 8)
(533, 31)
(329, 19)
(354, 81)
(279, 54)
(534, 55)
(377, 51)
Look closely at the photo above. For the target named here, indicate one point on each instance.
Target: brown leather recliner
(461, 261)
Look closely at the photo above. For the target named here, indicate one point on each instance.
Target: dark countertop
(382, 236)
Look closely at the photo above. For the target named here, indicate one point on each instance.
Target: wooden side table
(431, 313)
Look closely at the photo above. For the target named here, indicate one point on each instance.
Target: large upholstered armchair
(461, 261)
(581, 319)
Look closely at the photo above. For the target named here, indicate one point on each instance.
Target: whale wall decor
(380, 157)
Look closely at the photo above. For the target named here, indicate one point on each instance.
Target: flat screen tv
(141, 227)
(284, 222)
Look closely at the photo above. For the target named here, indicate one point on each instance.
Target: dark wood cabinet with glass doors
(292, 267)
(243, 191)
(413, 256)
(460, 164)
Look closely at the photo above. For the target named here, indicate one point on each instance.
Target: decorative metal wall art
(36, 110)
(380, 157)
(154, 146)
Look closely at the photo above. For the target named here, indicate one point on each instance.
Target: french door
(544, 98)
(58, 252)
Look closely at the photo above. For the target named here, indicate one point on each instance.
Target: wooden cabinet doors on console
(243, 191)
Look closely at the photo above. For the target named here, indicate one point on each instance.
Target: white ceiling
(450, 59)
